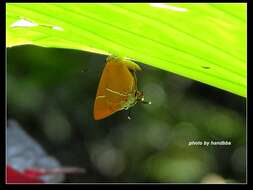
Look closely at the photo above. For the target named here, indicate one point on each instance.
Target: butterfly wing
(115, 84)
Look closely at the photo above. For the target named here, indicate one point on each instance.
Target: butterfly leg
(129, 114)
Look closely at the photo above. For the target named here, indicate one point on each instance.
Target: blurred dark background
(51, 94)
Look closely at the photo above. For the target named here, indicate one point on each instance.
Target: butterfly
(117, 89)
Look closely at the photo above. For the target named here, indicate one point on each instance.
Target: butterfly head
(140, 97)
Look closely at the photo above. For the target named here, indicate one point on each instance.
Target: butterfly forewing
(116, 83)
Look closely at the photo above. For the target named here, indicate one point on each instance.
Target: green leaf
(204, 42)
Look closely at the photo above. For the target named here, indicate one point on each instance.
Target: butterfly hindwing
(116, 82)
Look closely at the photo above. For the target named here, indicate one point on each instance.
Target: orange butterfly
(117, 89)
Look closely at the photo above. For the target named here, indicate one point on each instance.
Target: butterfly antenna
(146, 102)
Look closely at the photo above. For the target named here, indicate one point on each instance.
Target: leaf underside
(205, 42)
